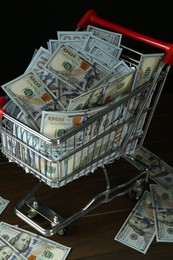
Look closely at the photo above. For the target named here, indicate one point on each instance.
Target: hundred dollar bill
(54, 43)
(86, 100)
(121, 69)
(138, 231)
(112, 37)
(106, 91)
(33, 246)
(37, 65)
(104, 56)
(3, 204)
(116, 90)
(158, 170)
(92, 40)
(7, 251)
(73, 35)
(39, 60)
(68, 65)
(30, 94)
(76, 44)
(55, 124)
(147, 67)
(52, 83)
(162, 201)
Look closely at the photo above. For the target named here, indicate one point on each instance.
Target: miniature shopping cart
(115, 131)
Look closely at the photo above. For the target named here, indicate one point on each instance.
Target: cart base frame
(29, 208)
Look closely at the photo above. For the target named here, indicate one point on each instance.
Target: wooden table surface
(92, 236)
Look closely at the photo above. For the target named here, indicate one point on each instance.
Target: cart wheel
(137, 190)
(133, 195)
(31, 213)
(62, 232)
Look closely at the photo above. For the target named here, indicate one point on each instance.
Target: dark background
(28, 25)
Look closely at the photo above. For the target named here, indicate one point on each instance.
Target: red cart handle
(2, 103)
(91, 17)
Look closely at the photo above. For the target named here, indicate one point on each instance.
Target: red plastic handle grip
(2, 103)
(1, 112)
(91, 17)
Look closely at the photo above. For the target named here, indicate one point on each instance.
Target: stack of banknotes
(152, 216)
(158, 170)
(17, 243)
(75, 77)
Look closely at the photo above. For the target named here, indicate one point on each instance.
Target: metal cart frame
(36, 153)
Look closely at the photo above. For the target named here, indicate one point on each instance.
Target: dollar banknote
(37, 65)
(76, 44)
(69, 65)
(86, 100)
(109, 63)
(7, 251)
(55, 124)
(138, 230)
(49, 80)
(92, 40)
(32, 246)
(146, 69)
(118, 89)
(112, 37)
(158, 170)
(121, 69)
(103, 93)
(54, 43)
(162, 201)
(30, 94)
(73, 35)
(100, 54)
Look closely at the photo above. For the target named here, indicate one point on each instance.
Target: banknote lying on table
(138, 231)
(27, 245)
(158, 170)
(152, 215)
